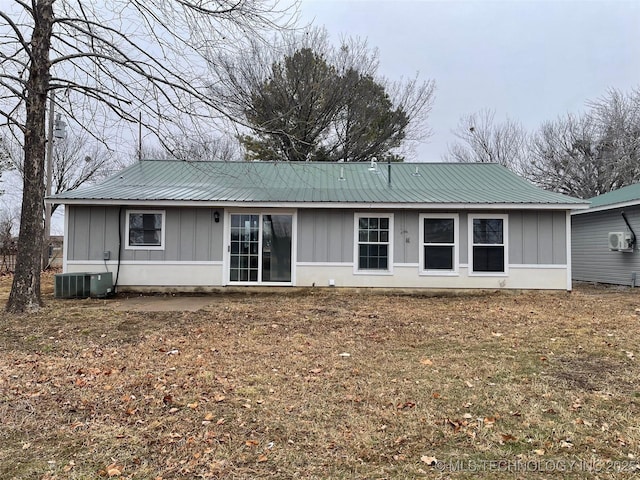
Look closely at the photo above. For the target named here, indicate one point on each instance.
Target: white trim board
(299, 264)
(455, 244)
(505, 243)
(144, 246)
(613, 206)
(332, 205)
(356, 243)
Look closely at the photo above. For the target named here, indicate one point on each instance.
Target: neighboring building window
(439, 243)
(145, 229)
(488, 243)
(373, 250)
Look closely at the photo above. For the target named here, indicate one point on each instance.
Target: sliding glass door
(260, 248)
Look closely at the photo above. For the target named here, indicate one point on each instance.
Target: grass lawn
(325, 384)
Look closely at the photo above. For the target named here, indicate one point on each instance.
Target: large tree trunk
(25, 291)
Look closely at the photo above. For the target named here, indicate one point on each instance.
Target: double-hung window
(373, 245)
(488, 242)
(145, 229)
(439, 241)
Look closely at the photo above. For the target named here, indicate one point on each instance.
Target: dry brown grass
(492, 386)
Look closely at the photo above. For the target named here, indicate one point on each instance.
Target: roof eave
(611, 206)
(332, 205)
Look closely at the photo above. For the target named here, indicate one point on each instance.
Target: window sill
(144, 247)
(373, 272)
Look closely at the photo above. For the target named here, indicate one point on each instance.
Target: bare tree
(200, 148)
(415, 98)
(593, 153)
(111, 62)
(8, 219)
(207, 148)
(76, 160)
(10, 150)
(7, 243)
(482, 140)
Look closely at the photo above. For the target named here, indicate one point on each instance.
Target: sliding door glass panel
(276, 248)
(245, 244)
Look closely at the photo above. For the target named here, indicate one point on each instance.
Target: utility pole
(56, 129)
(48, 181)
(140, 136)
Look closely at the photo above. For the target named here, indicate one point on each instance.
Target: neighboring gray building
(195, 225)
(604, 248)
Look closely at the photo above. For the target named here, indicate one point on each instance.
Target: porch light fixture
(216, 216)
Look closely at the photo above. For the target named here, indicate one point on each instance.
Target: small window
(145, 230)
(439, 243)
(488, 244)
(373, 248)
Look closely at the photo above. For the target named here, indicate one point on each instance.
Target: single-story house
(604, 245)
(197, 225)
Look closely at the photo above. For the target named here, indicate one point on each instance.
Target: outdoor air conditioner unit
(83, 285)
(620, 242)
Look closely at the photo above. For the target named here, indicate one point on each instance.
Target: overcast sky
(528, 60)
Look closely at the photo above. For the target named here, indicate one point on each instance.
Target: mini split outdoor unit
(620, 242)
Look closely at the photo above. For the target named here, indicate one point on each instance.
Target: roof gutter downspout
(115, 284)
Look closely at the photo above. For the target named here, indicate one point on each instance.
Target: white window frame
(145, 247)
(504, 244)
(356, 242)
(456, 244)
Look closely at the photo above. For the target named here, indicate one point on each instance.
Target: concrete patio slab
(162, 303)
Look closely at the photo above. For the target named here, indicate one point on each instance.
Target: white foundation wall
(211, 274)
(527, 277)
(169, 274)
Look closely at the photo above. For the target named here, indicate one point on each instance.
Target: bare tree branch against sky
(115, 59)
(529, 61)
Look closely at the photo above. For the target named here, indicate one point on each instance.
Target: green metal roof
(628, 194)
(317, 183)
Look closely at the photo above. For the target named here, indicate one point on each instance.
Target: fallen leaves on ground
(331, 390)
